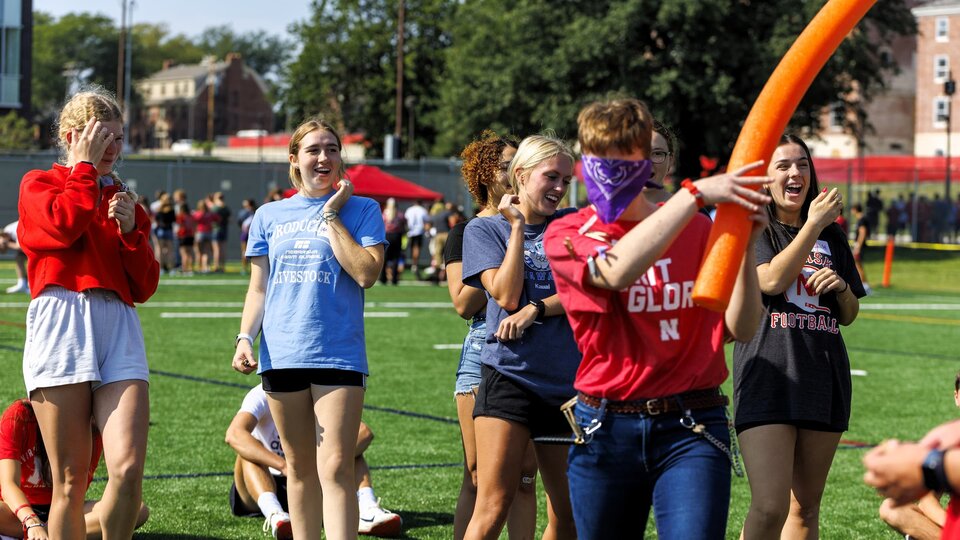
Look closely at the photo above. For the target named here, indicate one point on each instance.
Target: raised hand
(123, 209)
(825, 208)
(735, 188)
(90, 144)
(341, 196)
(508, 209)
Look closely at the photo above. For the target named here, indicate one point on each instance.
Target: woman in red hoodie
(89, 259)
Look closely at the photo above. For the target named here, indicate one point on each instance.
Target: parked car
(182, 146)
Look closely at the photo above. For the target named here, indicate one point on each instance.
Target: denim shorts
(636, 461)
(468, 372)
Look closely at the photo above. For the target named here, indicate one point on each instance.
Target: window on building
(941, 68)
(943, 29)
(837, 115)
(941, 109)
(10, 33)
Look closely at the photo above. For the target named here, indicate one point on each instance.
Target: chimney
(168, 63)
(233, 57)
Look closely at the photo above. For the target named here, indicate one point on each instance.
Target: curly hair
(481, 163)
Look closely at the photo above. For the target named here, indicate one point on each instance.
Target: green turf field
(905, 341)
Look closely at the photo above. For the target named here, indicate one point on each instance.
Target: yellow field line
(916, 245)
(909, 318)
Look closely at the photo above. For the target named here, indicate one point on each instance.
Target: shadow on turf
(167, 536)
(417, 520)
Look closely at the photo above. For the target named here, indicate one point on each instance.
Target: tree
(15, 133)
(346, 69)
(261, 51)
(88, 41)
(699, 65)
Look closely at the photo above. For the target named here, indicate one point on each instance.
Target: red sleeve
(53, 214)
(12, 433)
(570, 269)
(139, 261)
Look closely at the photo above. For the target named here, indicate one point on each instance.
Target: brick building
(177, 102)
(938, 54)
(891, 113)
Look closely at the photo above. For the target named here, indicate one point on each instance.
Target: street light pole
(949, 87)
(127, 110)
(121, 48)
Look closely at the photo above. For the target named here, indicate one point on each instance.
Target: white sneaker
(19, 287)
(376, 521)
(279, 526)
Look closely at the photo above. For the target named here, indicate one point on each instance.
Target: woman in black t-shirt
(792, 380)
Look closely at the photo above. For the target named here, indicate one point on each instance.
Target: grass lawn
(905, 341)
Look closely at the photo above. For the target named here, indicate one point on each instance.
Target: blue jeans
(635, 461)
(468, 372)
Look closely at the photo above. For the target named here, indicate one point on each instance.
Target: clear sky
(191, 17)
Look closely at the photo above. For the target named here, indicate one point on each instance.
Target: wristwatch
(541, 308)
(934, 474)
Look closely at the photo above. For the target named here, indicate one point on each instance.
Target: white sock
(366, 497)
(21, 283)
(269, 503)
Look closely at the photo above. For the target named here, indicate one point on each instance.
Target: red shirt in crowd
(205, 221)
(70, 242)
(648, 340)
(18, 441)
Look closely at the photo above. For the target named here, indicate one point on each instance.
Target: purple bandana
(612, 184)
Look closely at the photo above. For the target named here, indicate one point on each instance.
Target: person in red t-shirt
(90, 259)
(649, 405)
(25, 477)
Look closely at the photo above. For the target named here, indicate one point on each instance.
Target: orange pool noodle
(759, 136)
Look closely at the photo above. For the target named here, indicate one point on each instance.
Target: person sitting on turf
(259, 475)
(924, 520)
(8, 241)
(25, 480)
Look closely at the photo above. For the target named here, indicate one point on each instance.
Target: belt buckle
(654, 407)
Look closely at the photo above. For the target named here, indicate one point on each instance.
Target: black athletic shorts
(240, 510)
(295, 380)
(501, 397)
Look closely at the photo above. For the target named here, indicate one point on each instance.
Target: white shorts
(82, 337)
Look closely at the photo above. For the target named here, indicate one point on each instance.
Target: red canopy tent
(374, 182)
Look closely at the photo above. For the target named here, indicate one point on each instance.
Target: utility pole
(398, 121)
(120, 53)
(127, 110)
(211, 87)
(949, 88)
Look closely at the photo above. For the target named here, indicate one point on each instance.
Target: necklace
(534, 234)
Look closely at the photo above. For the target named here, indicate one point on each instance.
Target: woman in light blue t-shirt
(312, 256)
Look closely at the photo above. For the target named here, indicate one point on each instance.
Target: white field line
(198, 305)
(858, 372)
(910, 307)
(237, 314)
(448, 346)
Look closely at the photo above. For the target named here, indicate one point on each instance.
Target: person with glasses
(663, 155)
